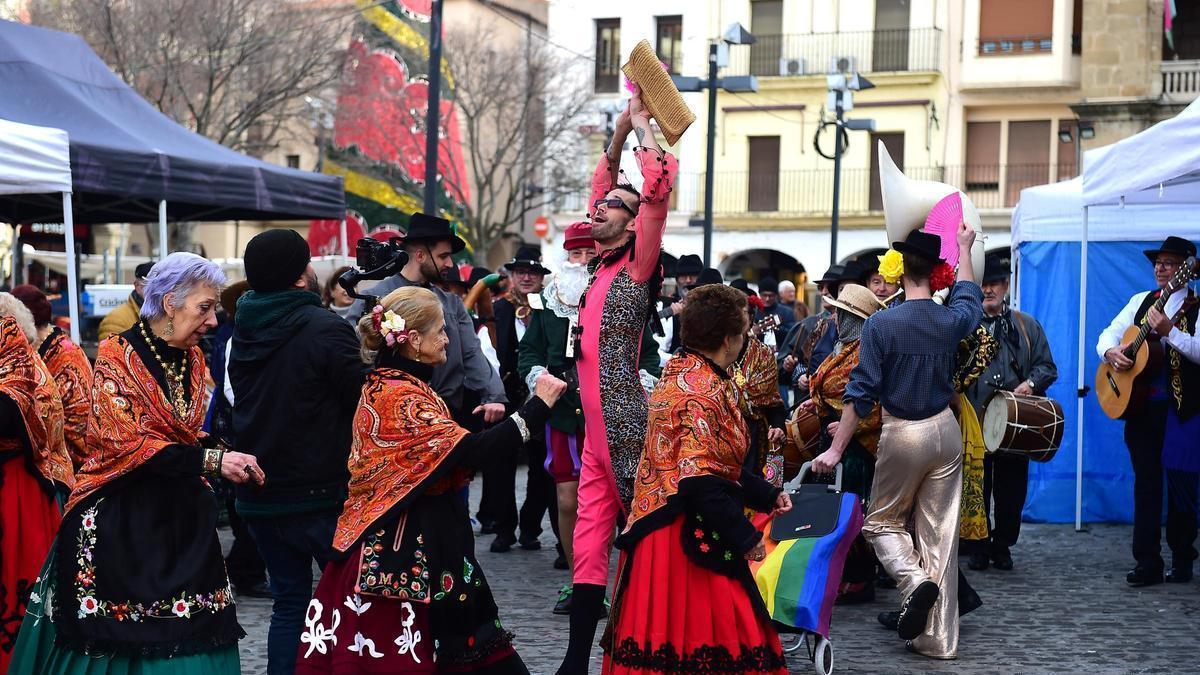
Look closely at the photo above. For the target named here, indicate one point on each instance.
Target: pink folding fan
(943, 220)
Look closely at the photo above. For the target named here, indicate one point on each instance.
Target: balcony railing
(810, 192)
(1180, 81)
(878, 51)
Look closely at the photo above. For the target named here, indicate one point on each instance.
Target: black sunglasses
(614, 202)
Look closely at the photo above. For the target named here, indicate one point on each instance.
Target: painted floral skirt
(409, 598)
(37, 652)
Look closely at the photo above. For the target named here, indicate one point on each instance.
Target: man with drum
(1024, 366)
(1162, 434)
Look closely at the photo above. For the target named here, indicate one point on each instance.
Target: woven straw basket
(659, 94)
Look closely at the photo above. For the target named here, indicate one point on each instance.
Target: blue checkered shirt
(908, 354)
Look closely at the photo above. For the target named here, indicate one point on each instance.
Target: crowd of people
(347, 434)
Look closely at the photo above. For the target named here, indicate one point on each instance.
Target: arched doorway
(756, 263)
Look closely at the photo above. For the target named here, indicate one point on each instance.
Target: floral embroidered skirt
(36, 651)
(29, 518)
(349, 633)
(673, 616)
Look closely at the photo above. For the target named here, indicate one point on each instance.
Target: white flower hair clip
(390, 325)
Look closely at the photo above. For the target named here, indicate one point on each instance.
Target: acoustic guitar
(1122, 393)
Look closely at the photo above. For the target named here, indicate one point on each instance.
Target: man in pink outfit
(626, 279)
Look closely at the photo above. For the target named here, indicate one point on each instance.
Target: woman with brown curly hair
(407, 594)
(685, 598)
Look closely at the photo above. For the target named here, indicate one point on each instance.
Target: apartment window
(894, 142)
(1015, 26)
(766, 23)
(293, 161)
(608, 55)
(1077, 28)
(1028, 157)
(982, 172)
(890, 39)
(763, 184)
(669, 44)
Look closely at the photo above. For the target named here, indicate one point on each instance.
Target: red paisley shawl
(694, 428)
(132, 418)
(758, 375)
(402, 433)
(27, 381)
(73, 374)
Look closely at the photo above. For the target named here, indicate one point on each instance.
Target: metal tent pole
(72, 272)
(1082, 389)
(162, 229)
(345, 246)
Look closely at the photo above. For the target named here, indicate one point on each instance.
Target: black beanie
(275, 259)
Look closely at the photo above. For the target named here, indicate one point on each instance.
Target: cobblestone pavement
(1065, 609)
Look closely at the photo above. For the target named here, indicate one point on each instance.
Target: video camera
(376, 261)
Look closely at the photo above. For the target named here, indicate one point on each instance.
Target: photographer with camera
(430, 242)
(296, 376)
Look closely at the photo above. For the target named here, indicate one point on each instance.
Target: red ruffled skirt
(29, 517)
(673, 616)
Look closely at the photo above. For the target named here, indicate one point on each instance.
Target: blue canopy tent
(129, 162)
(1078, 246)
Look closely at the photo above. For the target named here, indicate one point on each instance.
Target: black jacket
(296, 385)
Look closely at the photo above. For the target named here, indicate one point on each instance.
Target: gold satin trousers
(918, 480)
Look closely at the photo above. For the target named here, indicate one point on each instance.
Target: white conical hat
(907, 202)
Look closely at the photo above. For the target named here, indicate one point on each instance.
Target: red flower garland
(942, 277)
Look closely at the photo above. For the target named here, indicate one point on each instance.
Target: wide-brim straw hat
(857, 300)
(659, 94)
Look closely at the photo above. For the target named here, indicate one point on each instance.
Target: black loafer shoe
(889, 620)
(560, 563)
(530, 545)
(1002, 562)
(503, 543)
(914, 613)
(1178, 575)
(1140, 576)
(977, 562)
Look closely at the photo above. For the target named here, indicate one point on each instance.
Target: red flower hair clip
(756, 302)
(942, 277)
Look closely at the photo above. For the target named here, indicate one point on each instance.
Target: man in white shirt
(1173, 401)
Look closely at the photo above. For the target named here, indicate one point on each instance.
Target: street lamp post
(432, 121)
(841, 88)
(734, 35)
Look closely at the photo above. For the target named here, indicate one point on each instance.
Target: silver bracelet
(521, 426)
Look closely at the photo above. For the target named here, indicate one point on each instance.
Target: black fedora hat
(477, 273)
(708, 276)
(743, 286)
(852, 272)
(923, 244)
(529, 257)
(995, 268)
(833, 275)
(1176, 245)
(425, 228)
(870, 263)
(689, 263)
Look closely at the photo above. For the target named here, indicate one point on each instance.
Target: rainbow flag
(799, 578)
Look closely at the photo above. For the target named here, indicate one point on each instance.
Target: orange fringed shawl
(694, 429)
(132, 418)
(73, 374)
(402, 433)
(27, 381)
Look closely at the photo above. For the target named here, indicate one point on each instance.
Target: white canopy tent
(37, 160)
(1142, 188)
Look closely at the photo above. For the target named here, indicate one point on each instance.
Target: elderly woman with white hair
(35, 469)
(135, 581)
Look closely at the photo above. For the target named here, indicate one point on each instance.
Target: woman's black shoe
(1002, 561)
(914, 613)
(1140, 576)
(977, 562)
(503, 543)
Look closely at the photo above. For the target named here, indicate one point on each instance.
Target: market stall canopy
(1160, 165)
(33, 160)
(127, 157)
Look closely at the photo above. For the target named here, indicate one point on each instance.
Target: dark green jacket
(545, 343)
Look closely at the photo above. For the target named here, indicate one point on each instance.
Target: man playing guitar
(1174, 390)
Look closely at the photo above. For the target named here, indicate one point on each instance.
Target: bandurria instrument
(1031, 426)
(1123, 392)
